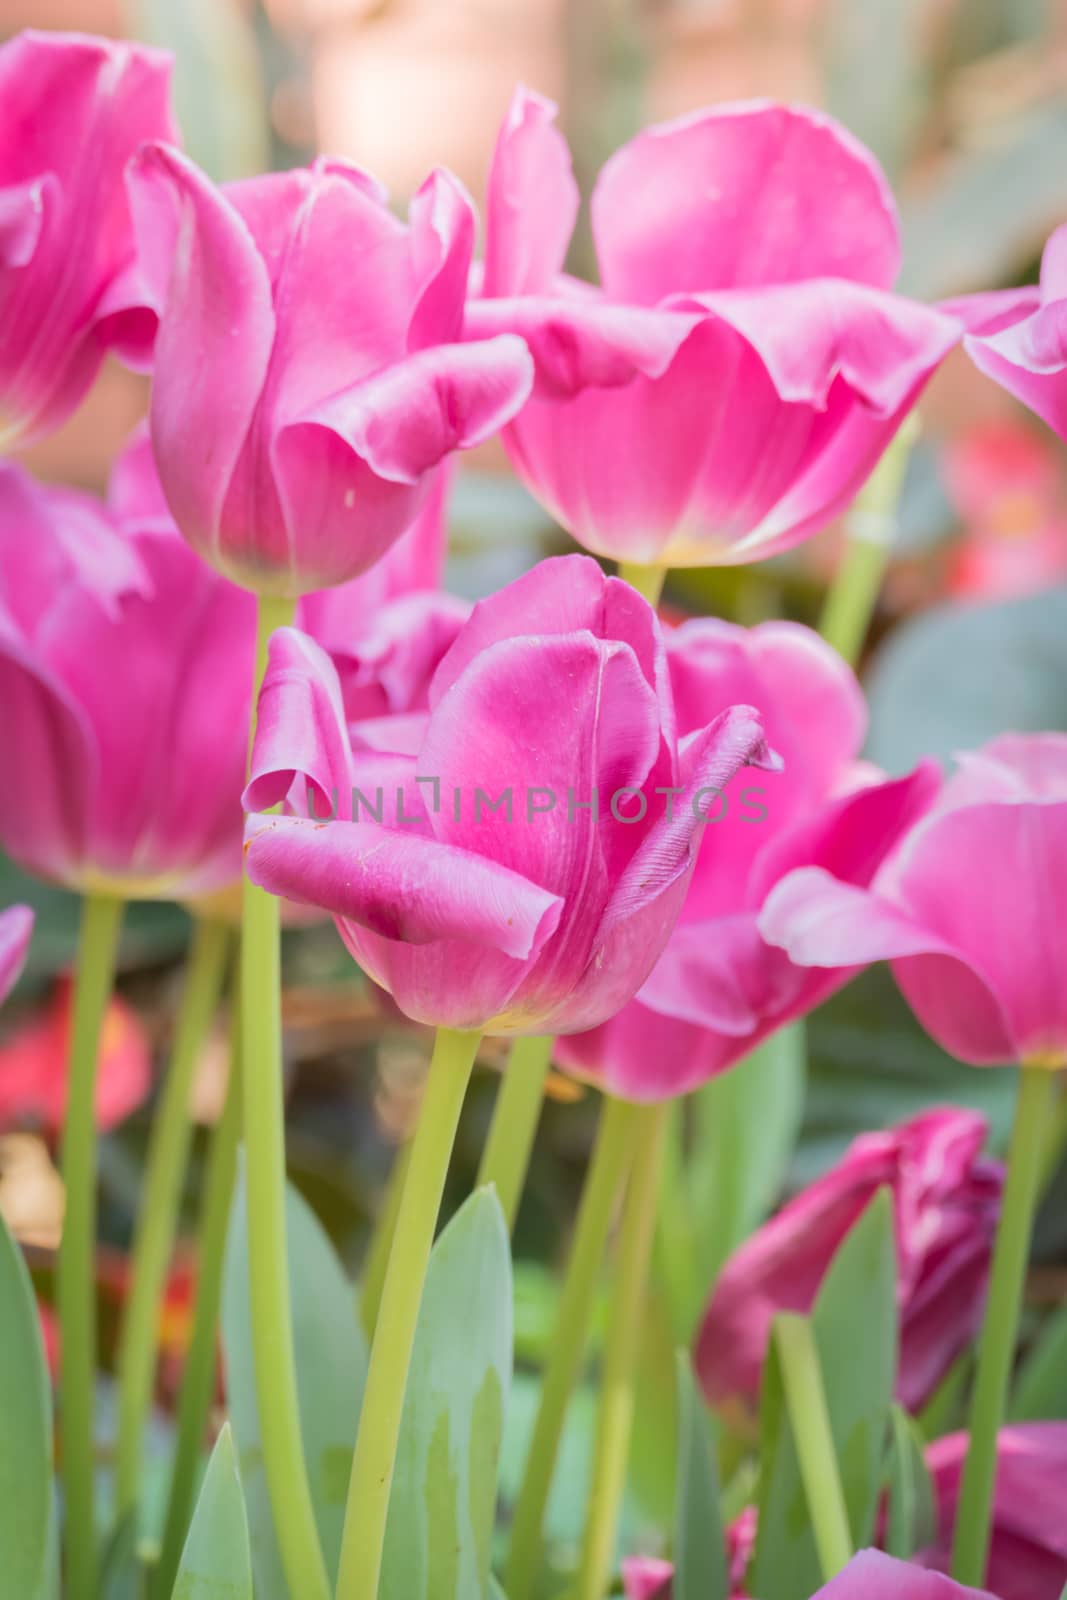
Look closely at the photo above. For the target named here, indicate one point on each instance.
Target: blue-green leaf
(700, 1564)
(441, 1511)
(912, 1521)
(331, 1363)
(216, 1563)
(25, 1434)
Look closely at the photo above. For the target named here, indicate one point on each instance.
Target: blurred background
(965, 104)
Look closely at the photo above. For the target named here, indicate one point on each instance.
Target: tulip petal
(300, 729)
(442, 224)
(532, 200)
(870, 1575)
(16, 930)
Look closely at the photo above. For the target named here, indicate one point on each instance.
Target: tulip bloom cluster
(645, 852)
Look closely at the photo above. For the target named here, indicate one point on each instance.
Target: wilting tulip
(968, 909)
(719, 989)
(75, 110)
(33, 1066)
(946, 1201)
(16, 927)
(1028, 1552)
(521, 872)
(744, 364)
(870, 1575)
(125, 669)
(1018, 337)
(308, 374)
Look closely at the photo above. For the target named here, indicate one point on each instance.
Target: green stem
(381, 1244)
(273, 1356)
(369, 1487)
(506, 1157)
(996, 1348)
(611, 1448)
(75, 1280)
(805, 1399)
(871, 527)
(157, 1221)
(607, 1171)
(648, 581)
(198, 1375)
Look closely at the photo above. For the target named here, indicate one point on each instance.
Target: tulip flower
(1017, 337)
(946, 1202)
(16, 927)
(309, 374)
(1028, 1553)
(521, 872)
(648, 1578)
(33, 1066)
(743, 365)
(75, 110)
(870, 1575)
(719, 988)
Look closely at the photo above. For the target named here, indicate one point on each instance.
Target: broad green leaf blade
(25, 1434)
(216, 1563)
(331, 1362)
(855, 1325)
(700, 1564)
(747, 1122)
(438, 1536)
(912, 1504)
(1040, 1393)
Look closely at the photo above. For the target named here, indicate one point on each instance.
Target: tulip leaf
(25, 1434)
(331, 1366)
(440, 1525)
(216, 1563)
(700, 1565)
(854, 1320)
(912, 1523)
(1040, 1393)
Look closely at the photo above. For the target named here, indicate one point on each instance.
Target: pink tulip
(967, 910)
(1028, 1554)
(719, 989)
(16, 927)
(1019, 337)
(125, 672)
(870, 1575)
(309, 374)
(646, 1578)
(744, 364)
(946, 1201)
(523, 869)
(75, 110)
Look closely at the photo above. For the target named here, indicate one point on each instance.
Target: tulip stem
(871, 526)
(611, 1448)
(198, 1376)
(506, 1157)
(157, 1221)
(648, 581)
(607, 1171)
(367, 1510)
(75, 1279)
(273, 1357)
(381, 1244)
(805, 1398)
(996, 1347)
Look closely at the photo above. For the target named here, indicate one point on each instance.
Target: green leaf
(700, 1564)
(441, 1511)
(216, 1563)
(25, 1434)
(912, 1503)
(874, 71)
(1040, 1393)
(331, 1367)
(654, 1443)
(747, 1124)
(854, 1320)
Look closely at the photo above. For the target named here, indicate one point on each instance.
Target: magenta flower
(308, 372)
(870, 1575)
(744, 364)
(648, 1578)
(1018, 337)
(1028, 1553)
(523, 869)
(946, 1202)
(977, 953)
(75, 110)
(719, 988)
(16, 928)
